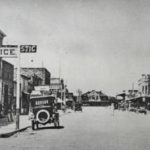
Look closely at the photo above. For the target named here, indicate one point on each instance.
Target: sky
(92, 44)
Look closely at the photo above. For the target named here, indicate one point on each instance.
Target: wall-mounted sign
(28, 48)
(8, 51)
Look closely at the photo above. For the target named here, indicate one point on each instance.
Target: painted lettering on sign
(43, 102)
(28, 48)
(8, 51)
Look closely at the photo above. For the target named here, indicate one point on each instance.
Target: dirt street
(96, 128)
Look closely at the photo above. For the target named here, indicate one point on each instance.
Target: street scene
(74, 74)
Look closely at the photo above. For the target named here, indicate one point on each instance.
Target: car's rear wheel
(43, 116)
(33, 125)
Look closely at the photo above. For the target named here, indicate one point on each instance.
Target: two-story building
(57, 85)
(6, 82)
(6, 86)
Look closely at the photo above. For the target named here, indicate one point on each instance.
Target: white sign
(8, 51)
(42, 88)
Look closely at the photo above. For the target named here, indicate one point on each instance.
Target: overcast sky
(98, 44)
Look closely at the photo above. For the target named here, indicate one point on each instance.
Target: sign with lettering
(28, 48)
(8, 51)
(42, 102)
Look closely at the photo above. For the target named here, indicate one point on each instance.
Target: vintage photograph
(74, 74)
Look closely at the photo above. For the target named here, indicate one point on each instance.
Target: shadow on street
(44, 128)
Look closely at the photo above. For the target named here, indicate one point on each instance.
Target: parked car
(78, 107)
(43, 110)
(132, 109)
(142, 110)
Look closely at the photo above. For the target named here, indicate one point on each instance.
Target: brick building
(43, 73)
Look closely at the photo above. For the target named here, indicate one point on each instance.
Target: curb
(8, 134)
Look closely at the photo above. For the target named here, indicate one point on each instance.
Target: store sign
(42, 88)
(9, 51)
(28, 48)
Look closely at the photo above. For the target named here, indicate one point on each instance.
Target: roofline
(2, 33)
(36, 68)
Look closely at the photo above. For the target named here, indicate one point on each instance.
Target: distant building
(43, 73)
(144, 85)
(57, 84)
(94, 97)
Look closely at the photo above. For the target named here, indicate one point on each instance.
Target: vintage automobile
(133, 109)
(43, 110)
(142, 110)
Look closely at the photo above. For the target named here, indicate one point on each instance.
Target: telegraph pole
(18, 93)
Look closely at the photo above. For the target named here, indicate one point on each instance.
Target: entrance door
(6, 99)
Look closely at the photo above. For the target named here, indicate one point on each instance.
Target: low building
(94, 98)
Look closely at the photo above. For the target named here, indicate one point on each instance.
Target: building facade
(57, 84)
(144, 85)
(6, 82)
(42, 73)
(95, 98)
(27, 84)
(6, 86)
(2, 35)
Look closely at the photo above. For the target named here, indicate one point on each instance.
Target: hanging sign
(28, 48)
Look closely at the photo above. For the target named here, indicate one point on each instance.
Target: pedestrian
(10, 118)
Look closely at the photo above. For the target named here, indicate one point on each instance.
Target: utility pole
(18, 93)
(65, 94)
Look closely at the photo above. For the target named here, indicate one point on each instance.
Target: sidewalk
(10, 129)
